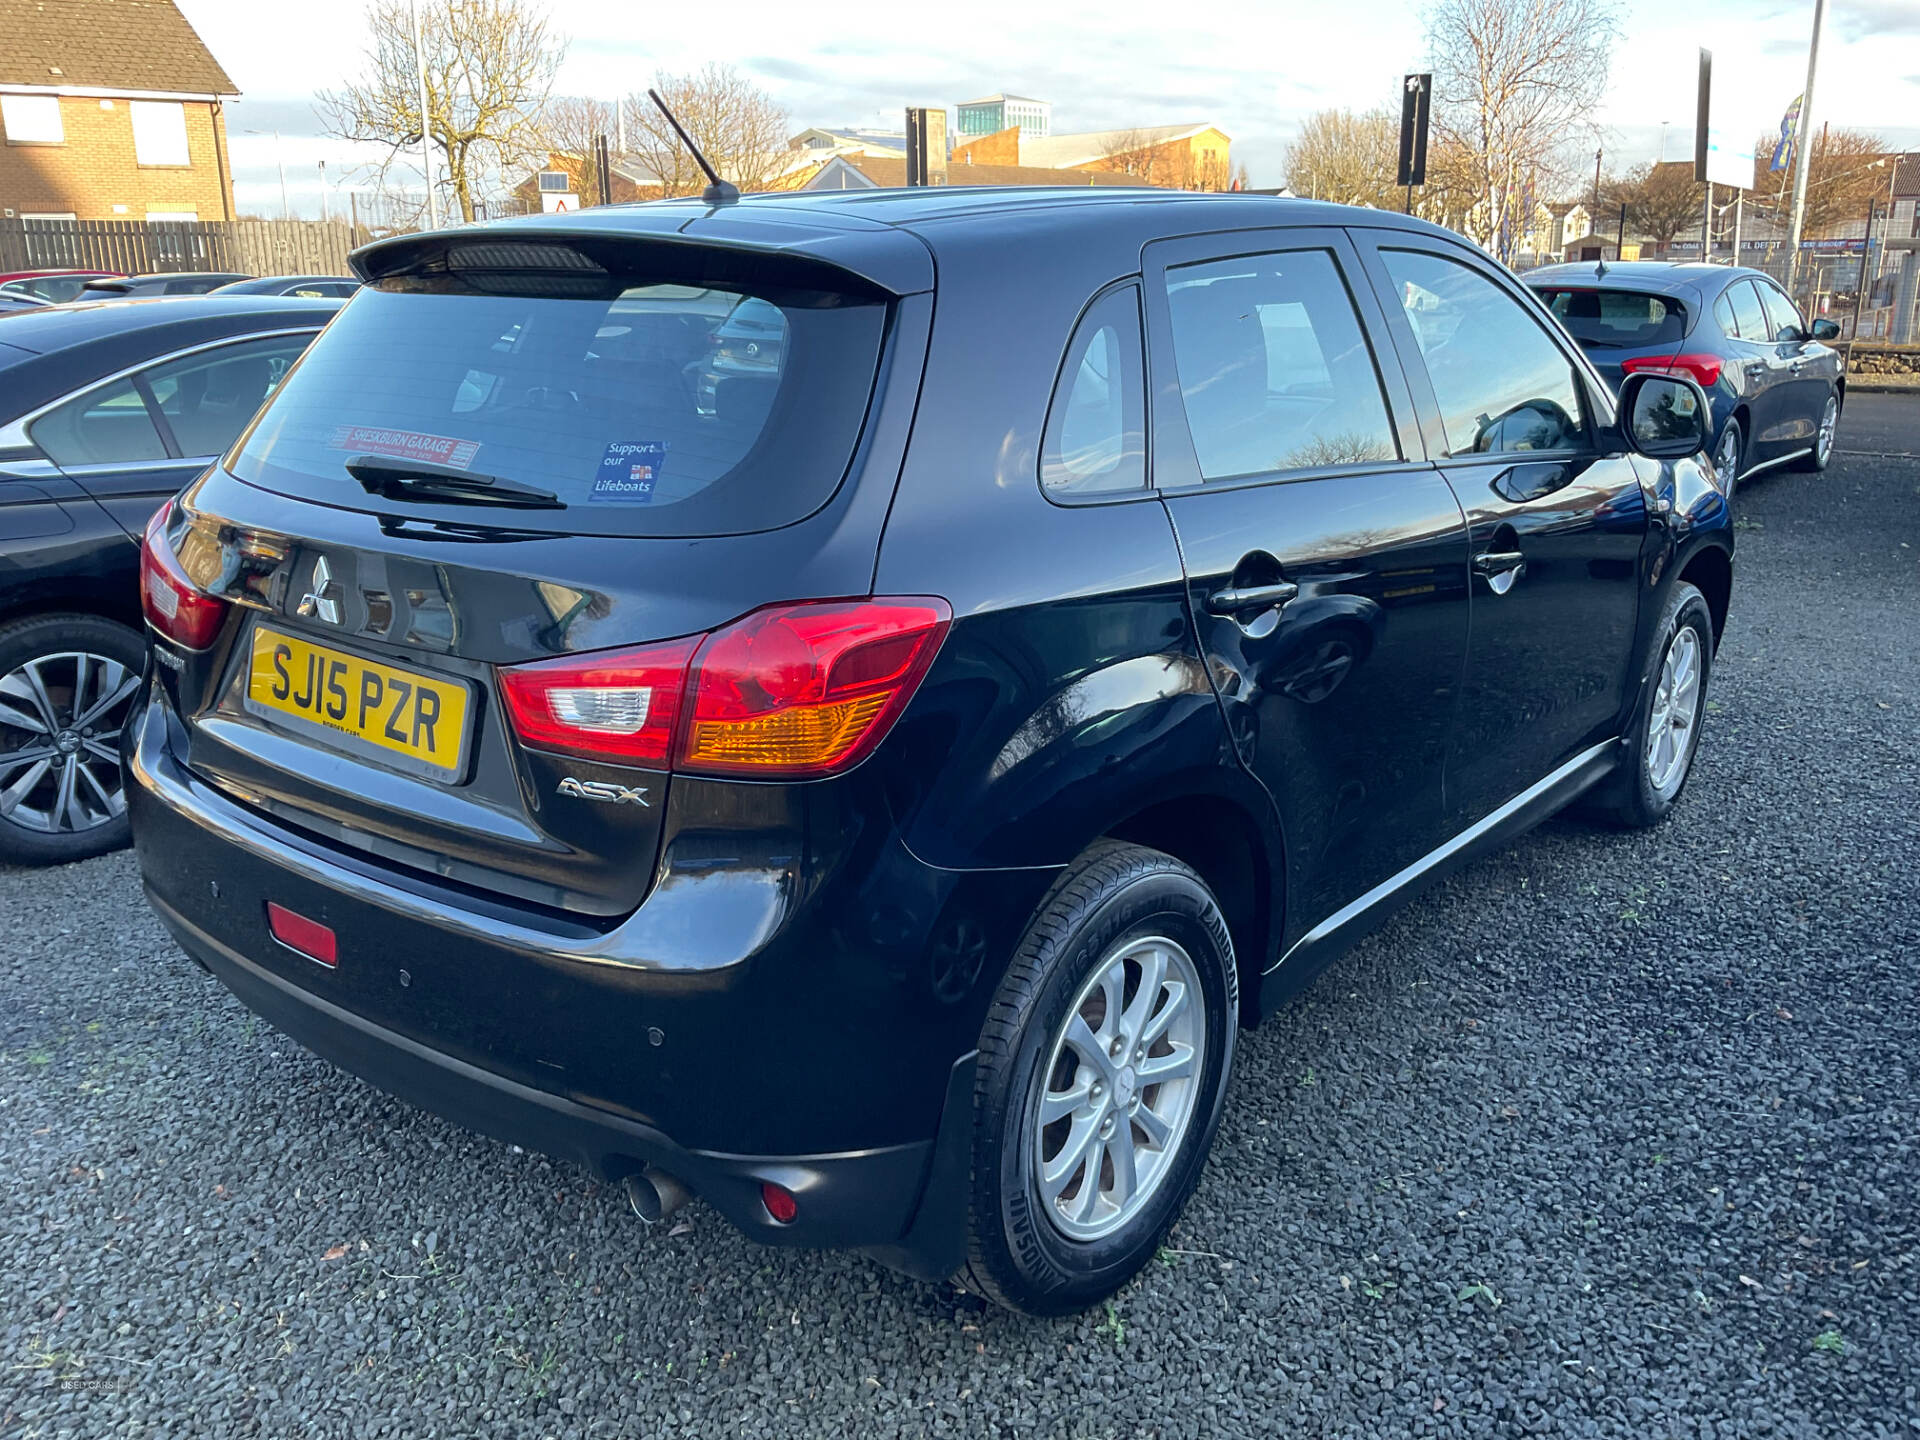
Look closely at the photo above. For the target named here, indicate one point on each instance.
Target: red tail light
(173, 604)
(1700, 367)
(790, 692)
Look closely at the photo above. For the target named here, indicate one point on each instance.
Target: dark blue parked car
(105, 411)
(873, 794)
(1777, 388)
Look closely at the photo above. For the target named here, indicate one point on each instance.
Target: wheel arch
(1238, 857)
(54, 596)
(1710, 571)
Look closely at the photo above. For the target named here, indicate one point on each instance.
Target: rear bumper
(858, 1198)
(453, 1019)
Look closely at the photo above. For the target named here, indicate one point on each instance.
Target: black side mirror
(1666, 417)
(1825, 330)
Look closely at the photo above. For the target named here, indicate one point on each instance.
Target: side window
(1784, 322)
(107, 426)
(1275, 371)
(1501, 382)
(1723, 315)
(1096, 429)
(208, 398)
(1747, 313)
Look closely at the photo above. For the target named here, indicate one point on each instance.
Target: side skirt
(1308, 955)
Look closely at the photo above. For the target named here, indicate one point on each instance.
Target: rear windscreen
(653, 409)
(1619, 318)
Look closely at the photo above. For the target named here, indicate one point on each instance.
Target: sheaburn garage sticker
(628, 471)
(406, 445)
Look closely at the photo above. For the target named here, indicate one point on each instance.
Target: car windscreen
(1619, 319)
(631, 408)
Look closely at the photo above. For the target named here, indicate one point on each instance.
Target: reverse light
(174, 606)
(1700, 367)
(790, 692)
(615, 705)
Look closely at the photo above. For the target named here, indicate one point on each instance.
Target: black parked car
(105, 411)
(304, 286)
(176, 282)
(1777, 387)
(873, 800)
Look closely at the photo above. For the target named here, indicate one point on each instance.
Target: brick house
(110, 109)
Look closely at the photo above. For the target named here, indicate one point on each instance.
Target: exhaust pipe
(654, 1195)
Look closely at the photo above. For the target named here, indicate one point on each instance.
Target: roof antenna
(1600, 268)
(718, 191)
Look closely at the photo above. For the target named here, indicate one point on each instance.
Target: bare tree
(1848, 168)
(489, 70)
(1662, 200)
(1514, 82)
(569, 126)
(1132, 152)
(1347, 158)
(736, 124)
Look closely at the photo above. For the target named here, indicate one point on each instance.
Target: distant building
(110, 112)
(1001, 112)
(870, 172)
(871, 142)
(1175, 157)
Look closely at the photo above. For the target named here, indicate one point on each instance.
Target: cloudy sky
(1253, 67)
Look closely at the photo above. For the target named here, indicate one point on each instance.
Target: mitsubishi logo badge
(319, 601)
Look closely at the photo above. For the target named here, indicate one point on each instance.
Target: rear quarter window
(657, 409)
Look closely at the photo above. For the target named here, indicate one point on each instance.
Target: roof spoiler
(677, 239)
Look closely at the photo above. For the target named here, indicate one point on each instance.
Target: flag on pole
(1789, 125)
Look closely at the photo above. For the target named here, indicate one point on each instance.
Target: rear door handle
(1237, 600)
(1500, 568)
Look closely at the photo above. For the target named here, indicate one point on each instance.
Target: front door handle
(1238, 600)
(1500, 568)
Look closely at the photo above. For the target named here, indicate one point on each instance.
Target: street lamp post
(1802, 153)
(324, 217)
(286, 209)
(426, 129)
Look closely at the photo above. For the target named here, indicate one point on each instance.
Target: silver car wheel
(1676, 712)
(1119, 1088)
(1726, 459)
(60, 719)
(1829, 426)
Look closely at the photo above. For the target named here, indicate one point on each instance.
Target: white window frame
(32, 119)
(160, 133)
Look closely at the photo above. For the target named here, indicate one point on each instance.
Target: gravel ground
(1610, 1136)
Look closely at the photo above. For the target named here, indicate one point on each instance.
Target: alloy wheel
(1829, 426)
(1726, 460)
(60, 720)
(1120, 1086)
(1676, 712)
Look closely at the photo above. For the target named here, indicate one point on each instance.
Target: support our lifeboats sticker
(629, 469)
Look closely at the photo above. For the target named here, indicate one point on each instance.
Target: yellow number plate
(400, 716)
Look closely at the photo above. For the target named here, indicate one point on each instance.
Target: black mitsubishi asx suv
(842, 705)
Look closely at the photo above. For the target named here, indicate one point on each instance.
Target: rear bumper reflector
(297, 932)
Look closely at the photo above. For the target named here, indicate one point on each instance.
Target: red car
(55, 287)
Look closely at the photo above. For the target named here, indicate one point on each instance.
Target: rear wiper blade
(424, 480)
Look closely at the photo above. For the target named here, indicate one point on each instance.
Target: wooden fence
(135, 247)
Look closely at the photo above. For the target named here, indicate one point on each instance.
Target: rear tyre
(66, 685)
(1826, 429)
(1728, 456)
(1103, 1063)
(1665, 732)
